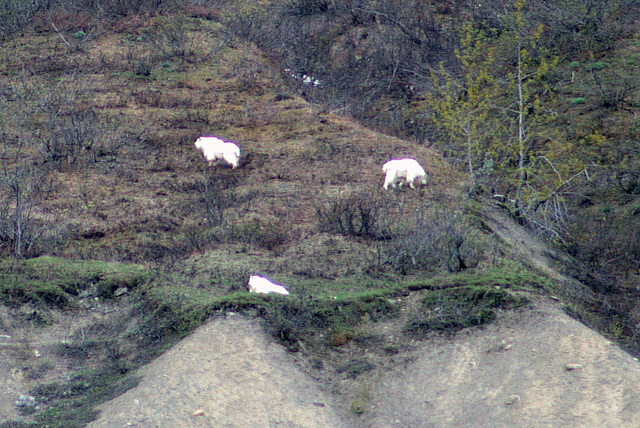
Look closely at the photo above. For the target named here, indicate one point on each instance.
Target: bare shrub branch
(357, 214)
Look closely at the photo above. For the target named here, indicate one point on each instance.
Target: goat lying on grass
(260, 284)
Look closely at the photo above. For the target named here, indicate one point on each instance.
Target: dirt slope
(531, 368)
(537, 368)
(230, 371)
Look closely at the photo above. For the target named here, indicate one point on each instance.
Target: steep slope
(230, 372)
(147, 202)
(536, 368)
(532, 367)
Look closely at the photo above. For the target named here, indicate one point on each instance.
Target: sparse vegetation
(456, 308)
(50, 282)
(104, 203)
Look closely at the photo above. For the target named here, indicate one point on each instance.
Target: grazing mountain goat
(260, 284)
(213, 149)
(405, 170)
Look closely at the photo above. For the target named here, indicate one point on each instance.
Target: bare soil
(531, 368)
(226, 374)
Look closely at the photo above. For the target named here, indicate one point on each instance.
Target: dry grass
(296, 155)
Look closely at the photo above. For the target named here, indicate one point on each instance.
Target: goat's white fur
(260, 284)
(405, 170)
(213, 149)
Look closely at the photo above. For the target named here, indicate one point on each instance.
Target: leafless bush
(248, 22)
(198, 237)
(306, 7)
(24, 181)
(267, 232)
(437, 239)
(67, 130)
(216, 194)
(358, 214)
(127, 7)
(172, 37)
(246, 69)
(142, 62)
(23, 185)
(16, 15)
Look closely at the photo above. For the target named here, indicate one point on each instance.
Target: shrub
(356, 367)
(441, 239)
(453, 309)
(15, 15)
(268, 233)
(359, 214)
(216, 193)
(171, 36)
(296, 320)
(23, 186)
(129, 7)
(306, 7)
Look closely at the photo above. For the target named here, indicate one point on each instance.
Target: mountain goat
(213, 149)
(405, 170)
(260, 284)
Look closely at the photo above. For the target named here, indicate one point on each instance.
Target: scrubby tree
(500, 107)
(547, 168)
(23, 185)
(462, 102)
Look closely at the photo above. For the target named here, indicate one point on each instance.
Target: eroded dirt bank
(535, 367)
(226, 374)
(532, 368)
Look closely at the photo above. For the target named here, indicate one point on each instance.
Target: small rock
(121, 291)
(26, 401)
(198, 412)
(37, 353)
(513, 399)
(572, 366)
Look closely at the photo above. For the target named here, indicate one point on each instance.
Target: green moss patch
(453, 309)
(56, 282)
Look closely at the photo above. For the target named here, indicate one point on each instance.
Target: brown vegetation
(101, 102)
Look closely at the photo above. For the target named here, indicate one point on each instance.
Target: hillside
(536, 367)
(125, 253)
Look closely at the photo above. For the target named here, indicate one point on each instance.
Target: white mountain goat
(213, 149)
(405, 170)
(260, 284)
